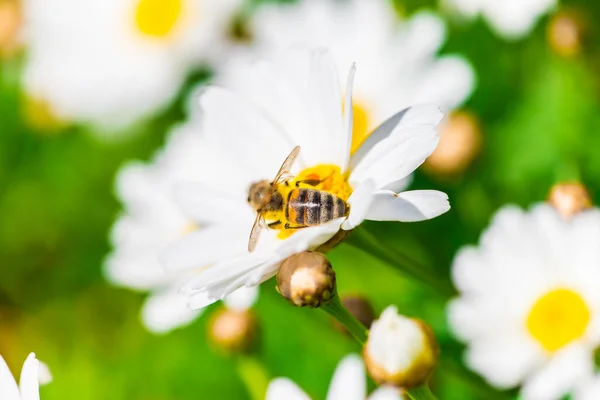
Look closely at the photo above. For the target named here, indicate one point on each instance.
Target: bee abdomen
(309, 207)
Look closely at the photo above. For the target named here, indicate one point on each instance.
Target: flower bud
(565, 33)
(400, 351)
(233, 331)
(360, 308)
(460, 143)
(306, 279)
(10, 25)
(569, 198)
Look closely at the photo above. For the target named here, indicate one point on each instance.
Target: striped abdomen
(309, 207)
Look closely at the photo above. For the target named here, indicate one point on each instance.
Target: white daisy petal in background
(32, 374)
(511, 19)
(291, 100)
(529, 296)
(114, 62)
(348, 383)
(152, 220)
(396, 59)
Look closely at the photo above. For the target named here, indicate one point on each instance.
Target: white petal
(204, 247)
(284, 389)
(242, 299)
(396, 157)
(348, 118)
(206, 203)
(409, 117)
(244, 131)
(360, 202)
(28, 383)
(348, 382)
(386, 393)
(8, 385)
(412, 206)
(163, 312)
(44, 374)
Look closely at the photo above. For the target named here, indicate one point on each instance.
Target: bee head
(259, 194)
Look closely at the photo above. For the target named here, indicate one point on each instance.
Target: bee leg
(311, 182)
(288, 226)
(274, 225)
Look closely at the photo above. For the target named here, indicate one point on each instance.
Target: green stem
(254, 375)
(421, 393)
(337, 310)
(364, 240)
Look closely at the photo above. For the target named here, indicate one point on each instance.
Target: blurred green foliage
(541, 123)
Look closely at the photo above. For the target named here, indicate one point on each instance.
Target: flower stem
(421, 393)
(336, 309)
(254, 375)
(366, 241)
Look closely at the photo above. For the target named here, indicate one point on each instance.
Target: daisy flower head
(529, 304)
(111, 63)
(511, 19)
(297, 105)
(151, 221)
(33, 374)
(348, 383)
(397, 59)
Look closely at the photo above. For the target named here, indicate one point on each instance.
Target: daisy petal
(386, 393)
(412, 206)
(204, 247)
(7, 383)
(163, 312)
(242, 299)
(348, 382)
(348, 117)
(284, 389)
(360, 203)
(29, 384)
(412, 116)
(206, 203)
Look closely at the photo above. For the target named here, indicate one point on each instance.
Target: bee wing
(259, 224)
(287, 164)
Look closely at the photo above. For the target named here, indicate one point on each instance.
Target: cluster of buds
(569, 198)
(566, 33)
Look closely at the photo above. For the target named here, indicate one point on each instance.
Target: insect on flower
(289, 205)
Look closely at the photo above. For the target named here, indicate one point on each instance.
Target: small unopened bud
(400, 351)
(233, 331)
(460, 143)
(306, 279)
(569, 198)
(565, 33)
(10, 25)
(360, 308)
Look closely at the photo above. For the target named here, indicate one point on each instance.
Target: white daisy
(511, 19)
(298, 102)
(113, 62)
(31, 374)
(348, 383)
(151, 221)
(529, 307)
(397, 61)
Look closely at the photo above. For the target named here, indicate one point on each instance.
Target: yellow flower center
(558, 318)
(158, 18)
(330, 179)
(361, 124)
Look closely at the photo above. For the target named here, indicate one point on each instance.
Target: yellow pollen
(332, 181)
(361, 125)
(558, 318)
(157, 18)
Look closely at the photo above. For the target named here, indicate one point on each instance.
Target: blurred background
(531, 119)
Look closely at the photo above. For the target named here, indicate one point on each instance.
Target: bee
(290, 206)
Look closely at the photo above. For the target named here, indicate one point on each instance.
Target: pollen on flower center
(330, 179)
(157, 18)
(558, 318)
(361, 124)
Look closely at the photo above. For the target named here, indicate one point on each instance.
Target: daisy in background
(33, 374)
(298, 102)
(151, 221)
(529, 304)
(111, 63)
(511, 19)
(348, 383)
(397, 59)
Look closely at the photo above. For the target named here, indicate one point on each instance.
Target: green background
(541, 124)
